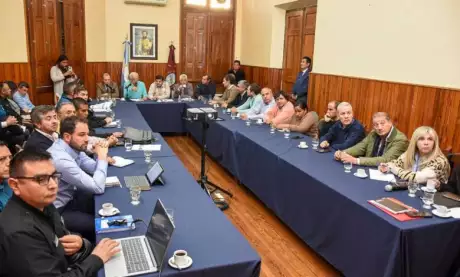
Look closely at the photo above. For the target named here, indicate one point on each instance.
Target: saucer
(446, 215)
(302, 147)
(360, 176)
(455, 212)
(115, 211)
(187, 265)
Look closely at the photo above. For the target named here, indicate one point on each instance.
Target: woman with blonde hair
(183, 88)
(423, 159)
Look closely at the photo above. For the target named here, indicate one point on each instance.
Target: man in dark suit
(45, 121)
(107, 89)
(237, 71)
(207, 88)
(300, 89)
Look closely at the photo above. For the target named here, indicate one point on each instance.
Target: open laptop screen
(159, 232)
(154, 172)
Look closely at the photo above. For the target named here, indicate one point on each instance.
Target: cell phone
(323, 150)
(297, 137)
(424, 214)
(451, 196)
(118, 222)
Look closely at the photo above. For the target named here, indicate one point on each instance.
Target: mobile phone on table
(296, 137)
(451, 196)
(424, 214)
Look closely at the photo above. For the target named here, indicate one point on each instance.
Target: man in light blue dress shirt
(259, 109)
(21, 97)
(82, 177)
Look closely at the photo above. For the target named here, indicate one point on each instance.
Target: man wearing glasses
(82, 177)
(33, 239)
(5, 190)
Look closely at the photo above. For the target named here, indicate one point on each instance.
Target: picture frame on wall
(144, 41)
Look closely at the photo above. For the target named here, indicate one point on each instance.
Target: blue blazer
(301, 84)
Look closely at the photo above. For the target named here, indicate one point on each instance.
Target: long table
(216, 247)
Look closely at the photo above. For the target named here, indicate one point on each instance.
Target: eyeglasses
(42, 180)
(4, 158)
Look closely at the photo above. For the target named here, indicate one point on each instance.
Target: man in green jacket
(385, 143)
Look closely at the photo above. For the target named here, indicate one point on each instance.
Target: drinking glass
(233, 115)
(148, 155)
(428, 197)
(347, 166)
(412, 187)
(170, 213)
(135, 193)
(272, 129)
(119, 123)
(128, 144)
(287, 132)
(248, 122)
(314, 143)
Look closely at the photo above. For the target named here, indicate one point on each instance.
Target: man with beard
(45, 121)
(82, 177)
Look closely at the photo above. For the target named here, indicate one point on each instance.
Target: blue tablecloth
(163, 117)
(328, 208)
(216, 247)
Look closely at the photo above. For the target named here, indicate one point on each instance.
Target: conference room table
(326, 207)
(214, 244)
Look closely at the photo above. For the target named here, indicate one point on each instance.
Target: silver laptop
(154, 174)
(143, 254)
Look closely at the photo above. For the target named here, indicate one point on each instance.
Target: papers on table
(375, 174)
(121, 162)
(147, 147)
(112, 124)
(102, 107)
(112, 182)
(135, 100)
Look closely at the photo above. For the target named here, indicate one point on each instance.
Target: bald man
(107, 89)
(134, 89)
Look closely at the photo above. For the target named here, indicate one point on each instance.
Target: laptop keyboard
(132, 181)
(135, 258)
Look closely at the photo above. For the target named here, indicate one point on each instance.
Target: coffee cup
(361, 172)
(303, 144)
(180, 258)
(442, 210)
(107, 208)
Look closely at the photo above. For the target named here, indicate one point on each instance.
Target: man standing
(237, 71)
(21, 97)
(300, 89)
(45, 121)
(107, 89)
(81, 176)
(207, 88)
(33, 239)
(5, 190)
(260, 109)
(159, 89)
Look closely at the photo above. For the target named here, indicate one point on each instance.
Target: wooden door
(308, 43)
(220, 45)
(44, 46)
(74, 36)
(292, 48)
(194, 45)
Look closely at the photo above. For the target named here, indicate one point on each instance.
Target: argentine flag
(125, 67)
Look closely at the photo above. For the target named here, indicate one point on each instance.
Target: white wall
(410, 41)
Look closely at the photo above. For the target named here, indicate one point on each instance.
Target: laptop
(143, 254)
(144, 182)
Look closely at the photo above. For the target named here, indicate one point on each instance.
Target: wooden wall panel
(147, 73)
(410, 106)
(17, 72)
(264, 76)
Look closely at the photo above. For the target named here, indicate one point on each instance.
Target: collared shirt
(63, 99)
(341, 137)
(29, 244)
(76, 168)
(52, 137)
(140, 93)
(162, 92)
(260, 110)
(23, 101)
(5, 194)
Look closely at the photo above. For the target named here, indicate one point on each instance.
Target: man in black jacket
(207, 88)
(33, 239)
(237, 71)
(45, 121)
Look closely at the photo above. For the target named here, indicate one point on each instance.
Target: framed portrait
(144, 41)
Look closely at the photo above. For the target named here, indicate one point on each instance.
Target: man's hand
(112, 140)
(324, 144)
(134, 88)
(338, 155)
(234, 110)
(110, 160)
(11, 120)
(244, 116)
(224, 105)
(384, 168)
(101, 149)
(71, 243)
(347, 158)
(68, 73)
(105, 249)
(117, 134)
(108, 120)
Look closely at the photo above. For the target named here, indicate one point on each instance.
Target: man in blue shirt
(300, 89)
(21, 97)
(82, 177)
(346, 132)
(5, 190)
(134, 89)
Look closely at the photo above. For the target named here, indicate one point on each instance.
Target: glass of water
(428, 197)
(287, 132)
(233, 115)
(248, 122)
(412, 187)
(135, 192)
(128, 144)
(347, 166)
(148, 156)
(314, 143)
(119, 123)
(272, 129)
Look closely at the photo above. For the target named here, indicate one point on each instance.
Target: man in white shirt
(260, 109)
(159, 89)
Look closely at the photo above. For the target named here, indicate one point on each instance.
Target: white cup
(107, 208)
(442, 210)
(303, 144)
(229, 110)
(180, 258)
(361, 172)
(259, 121)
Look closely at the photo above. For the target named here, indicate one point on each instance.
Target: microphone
(127, 87)
(396, 186)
